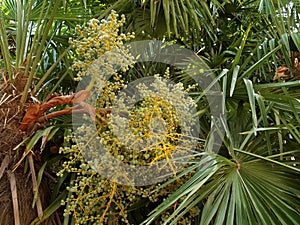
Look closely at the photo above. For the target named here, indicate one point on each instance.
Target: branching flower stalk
(153, 125)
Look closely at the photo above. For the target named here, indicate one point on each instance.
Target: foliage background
(254, 179)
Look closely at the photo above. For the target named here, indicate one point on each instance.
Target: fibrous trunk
(16, 193)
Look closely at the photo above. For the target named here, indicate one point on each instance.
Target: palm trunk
(16, 187)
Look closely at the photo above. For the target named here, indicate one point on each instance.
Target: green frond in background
(254, 176)
(236, 193)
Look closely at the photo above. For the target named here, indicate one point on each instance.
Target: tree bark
(16, 193)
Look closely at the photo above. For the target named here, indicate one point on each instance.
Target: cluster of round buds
(93, 199)
(97, 38)
(153, 124)
(156, 126)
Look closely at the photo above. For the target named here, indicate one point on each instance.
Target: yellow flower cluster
(157, 124)
(97, 38)
(93, 199)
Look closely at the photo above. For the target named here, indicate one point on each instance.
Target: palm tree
(252, 179)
